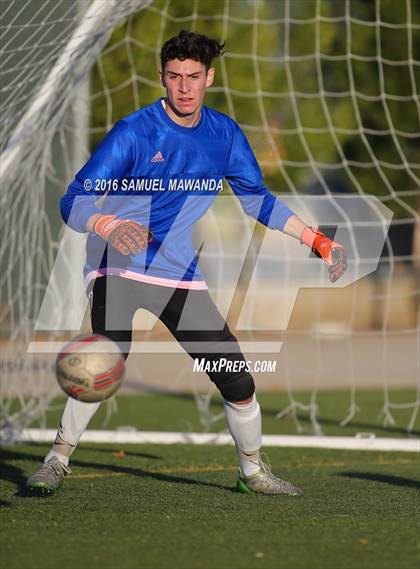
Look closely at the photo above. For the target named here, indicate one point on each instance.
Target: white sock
(74, 421)
(244, 423)
(61, 457)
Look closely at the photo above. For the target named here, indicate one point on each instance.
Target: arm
(111, 161)
(90, 225)
(245, 178)
(294, 226)
(333, 254)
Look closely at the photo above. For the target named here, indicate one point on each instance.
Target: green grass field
(178, 412)
(160, 506)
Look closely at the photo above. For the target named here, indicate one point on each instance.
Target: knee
(237, 387)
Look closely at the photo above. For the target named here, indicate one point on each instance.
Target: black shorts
(190, 315)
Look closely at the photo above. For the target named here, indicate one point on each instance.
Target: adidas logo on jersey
(158, 157)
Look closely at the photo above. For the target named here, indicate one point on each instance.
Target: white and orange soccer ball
(90, 368)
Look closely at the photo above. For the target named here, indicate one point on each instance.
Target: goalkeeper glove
(332, 253)
(126, 236)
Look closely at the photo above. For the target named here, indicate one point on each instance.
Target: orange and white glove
(126, 236)
(332, 253)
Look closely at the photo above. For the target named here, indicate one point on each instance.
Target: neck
(188, 121)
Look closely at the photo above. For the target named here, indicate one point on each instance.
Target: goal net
(328, 96)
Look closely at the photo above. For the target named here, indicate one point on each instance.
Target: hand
(126, 236)
(332, 253)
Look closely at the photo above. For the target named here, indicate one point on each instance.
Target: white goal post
(328, 95)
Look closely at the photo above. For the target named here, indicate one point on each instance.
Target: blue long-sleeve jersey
(165, 176)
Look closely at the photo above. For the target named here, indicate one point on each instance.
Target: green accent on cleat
(242, 487)
(42, 489)
(265, 482)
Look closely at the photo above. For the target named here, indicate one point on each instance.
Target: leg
(114, 303)
(212, 341)
(78, 414)
(111, 307)
(217, 345)
(75, 419)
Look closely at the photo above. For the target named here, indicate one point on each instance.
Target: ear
(161, 78)
(210, 77)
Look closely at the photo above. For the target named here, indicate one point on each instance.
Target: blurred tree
(364, 79)
(316, 85)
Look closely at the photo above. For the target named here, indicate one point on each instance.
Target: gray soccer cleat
(264, 482)
(48, 478)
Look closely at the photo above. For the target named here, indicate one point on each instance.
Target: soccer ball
(90, 368)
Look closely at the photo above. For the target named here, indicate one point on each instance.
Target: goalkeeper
(156, 173)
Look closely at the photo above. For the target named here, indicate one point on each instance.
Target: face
(186, 83)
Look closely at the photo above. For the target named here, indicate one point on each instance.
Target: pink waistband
(159, 281)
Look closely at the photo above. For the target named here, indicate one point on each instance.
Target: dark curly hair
(189, 45)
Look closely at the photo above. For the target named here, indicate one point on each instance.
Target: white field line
(155, 437)
(170, 347)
